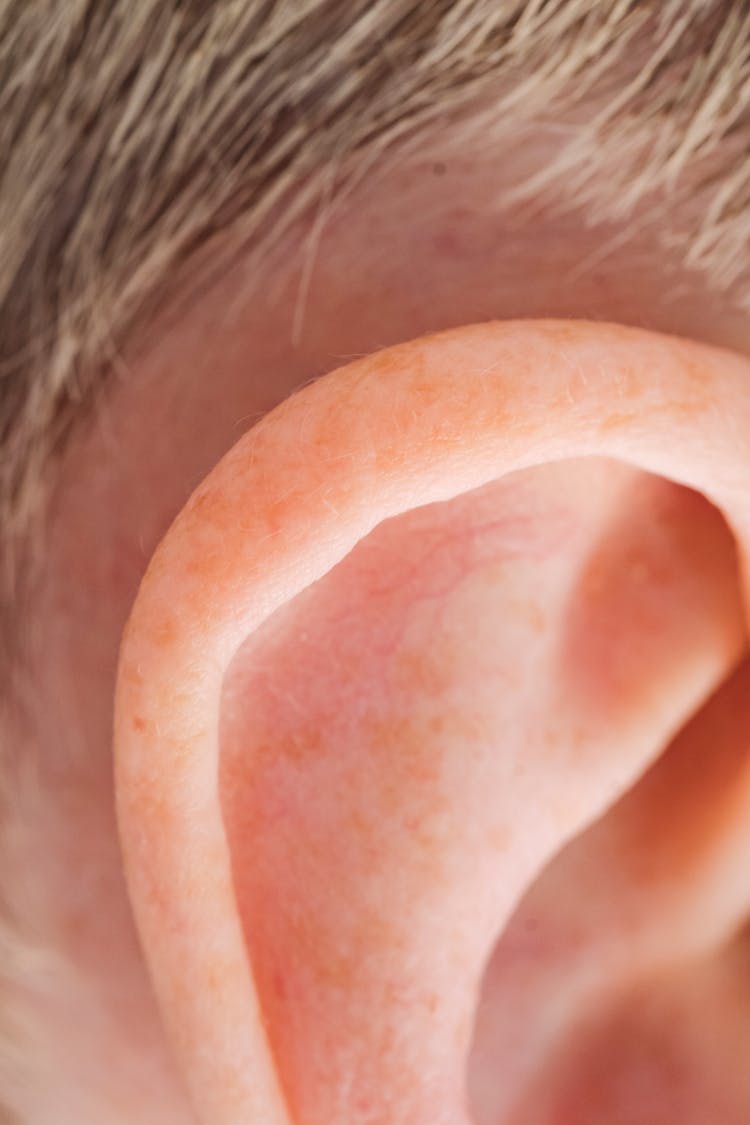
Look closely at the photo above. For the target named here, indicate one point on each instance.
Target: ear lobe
(309, 860)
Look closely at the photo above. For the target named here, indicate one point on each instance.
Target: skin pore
(422, 249)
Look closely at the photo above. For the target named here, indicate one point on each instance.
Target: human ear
(419, 627)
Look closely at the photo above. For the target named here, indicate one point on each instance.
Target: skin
(416, 425)
(326, 941)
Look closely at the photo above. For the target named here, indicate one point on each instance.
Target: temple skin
(608, 429)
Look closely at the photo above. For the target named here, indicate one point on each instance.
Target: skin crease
(158, 435)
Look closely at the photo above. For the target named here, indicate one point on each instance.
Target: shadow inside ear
(418, 629)
(629, 938)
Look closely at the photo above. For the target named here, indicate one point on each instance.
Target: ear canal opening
(407, 742)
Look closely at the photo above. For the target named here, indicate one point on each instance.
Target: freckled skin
(318, 922)
(446, 713)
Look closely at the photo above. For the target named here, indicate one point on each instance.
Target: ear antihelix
(281, 518)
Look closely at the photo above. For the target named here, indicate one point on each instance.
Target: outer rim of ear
(419, 422)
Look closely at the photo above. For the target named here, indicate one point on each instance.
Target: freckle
(199, 500)
(164, 631)
(301, 745)
(531, 613)
(616, 421)
(139, 723)
(132, 674)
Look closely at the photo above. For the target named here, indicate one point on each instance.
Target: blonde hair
(137, 133)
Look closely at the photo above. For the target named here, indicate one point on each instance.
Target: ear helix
(418, 424)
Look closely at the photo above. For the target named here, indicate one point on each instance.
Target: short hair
(137, 135)
(134, 132)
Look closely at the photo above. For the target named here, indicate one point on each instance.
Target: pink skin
(375, 843)
(613, 964)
